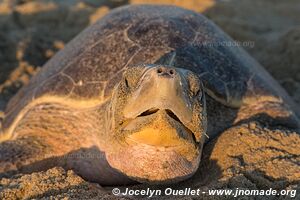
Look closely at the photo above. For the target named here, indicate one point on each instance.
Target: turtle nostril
(159, 70)
(164, 71)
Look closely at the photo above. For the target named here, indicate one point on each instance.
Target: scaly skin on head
(158, 124)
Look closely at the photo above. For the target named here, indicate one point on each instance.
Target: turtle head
(158, 124)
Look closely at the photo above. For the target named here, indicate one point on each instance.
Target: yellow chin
(158, 149)
(167, 138)
(156, 137)
(165, 132)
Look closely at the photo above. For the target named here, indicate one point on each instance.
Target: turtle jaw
(158, 127)
(159, 149)
(163, 127)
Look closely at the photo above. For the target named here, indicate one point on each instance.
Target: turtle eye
(126, 83)
(132, 76)
(128, 80)
(194, 85)
(197, 92)
(194, 89)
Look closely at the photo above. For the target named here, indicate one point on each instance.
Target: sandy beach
(31, 32)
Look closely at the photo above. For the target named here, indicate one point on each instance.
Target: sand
(249, 156)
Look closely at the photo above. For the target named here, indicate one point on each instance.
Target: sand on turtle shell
(251, 156)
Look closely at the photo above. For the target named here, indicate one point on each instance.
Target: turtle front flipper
(272, 113)
(270, 105)
(54, 134)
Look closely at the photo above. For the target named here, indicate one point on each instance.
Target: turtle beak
(160, 88)
(163, 91)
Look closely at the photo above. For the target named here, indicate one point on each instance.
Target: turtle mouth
(156, 118)
(172, 115)
(169, 112)
(158, 147)
(148, 112)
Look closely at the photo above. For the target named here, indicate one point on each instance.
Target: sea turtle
(135, 96)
